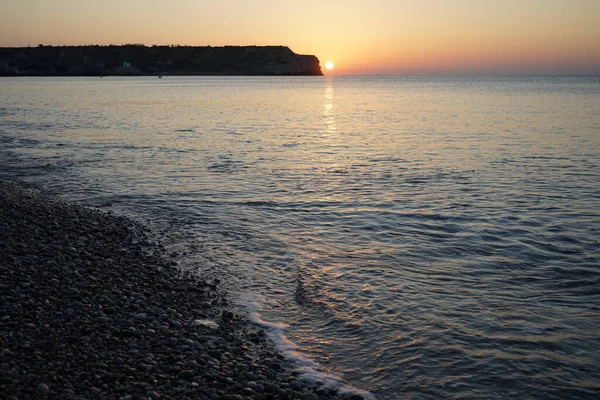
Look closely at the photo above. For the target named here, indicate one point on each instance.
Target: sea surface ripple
(414, 237)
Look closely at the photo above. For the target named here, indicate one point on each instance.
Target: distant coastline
(140, 60)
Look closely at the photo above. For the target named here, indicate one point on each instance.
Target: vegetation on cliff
(134, 59)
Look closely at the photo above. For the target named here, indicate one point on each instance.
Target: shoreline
(92, 308)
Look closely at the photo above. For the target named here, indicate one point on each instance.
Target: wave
(308, 370)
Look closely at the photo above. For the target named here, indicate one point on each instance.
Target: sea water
(412, 237)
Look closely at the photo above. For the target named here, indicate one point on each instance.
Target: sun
(329, 65)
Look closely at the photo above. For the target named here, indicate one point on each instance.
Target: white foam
(206, 322)
(308, 370)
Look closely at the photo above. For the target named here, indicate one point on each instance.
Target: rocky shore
(137, 59)
(91, 308)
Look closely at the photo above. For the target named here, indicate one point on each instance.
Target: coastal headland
(92, 307)
(136, 59)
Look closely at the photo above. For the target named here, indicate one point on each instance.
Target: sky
(358, 36)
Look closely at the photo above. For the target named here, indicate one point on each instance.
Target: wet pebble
(42, 387)
(296, 385)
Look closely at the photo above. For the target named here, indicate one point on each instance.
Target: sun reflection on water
(328, 110)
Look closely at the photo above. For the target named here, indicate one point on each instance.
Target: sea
(402, 237)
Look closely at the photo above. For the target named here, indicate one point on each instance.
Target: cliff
(155, 60)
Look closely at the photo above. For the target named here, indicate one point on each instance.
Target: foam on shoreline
(309, 371)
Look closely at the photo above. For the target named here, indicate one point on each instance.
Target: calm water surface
(416, 237)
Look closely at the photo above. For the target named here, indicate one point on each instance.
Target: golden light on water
(329, 65)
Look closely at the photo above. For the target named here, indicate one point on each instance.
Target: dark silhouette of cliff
(136, 59)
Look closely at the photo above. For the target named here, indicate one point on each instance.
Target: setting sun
(329, 65)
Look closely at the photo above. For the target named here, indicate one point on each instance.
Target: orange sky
(360, 37)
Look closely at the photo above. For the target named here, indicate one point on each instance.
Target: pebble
(42, 387)
(310, 396)
(270, 388)
(172, 340)
(186, 374)
(163, 317)
(251, 376)
(276, 366)
(296, 385)
(154, 395)
(215, 354)
(175, 324)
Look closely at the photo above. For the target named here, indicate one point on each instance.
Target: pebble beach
(92, 308)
